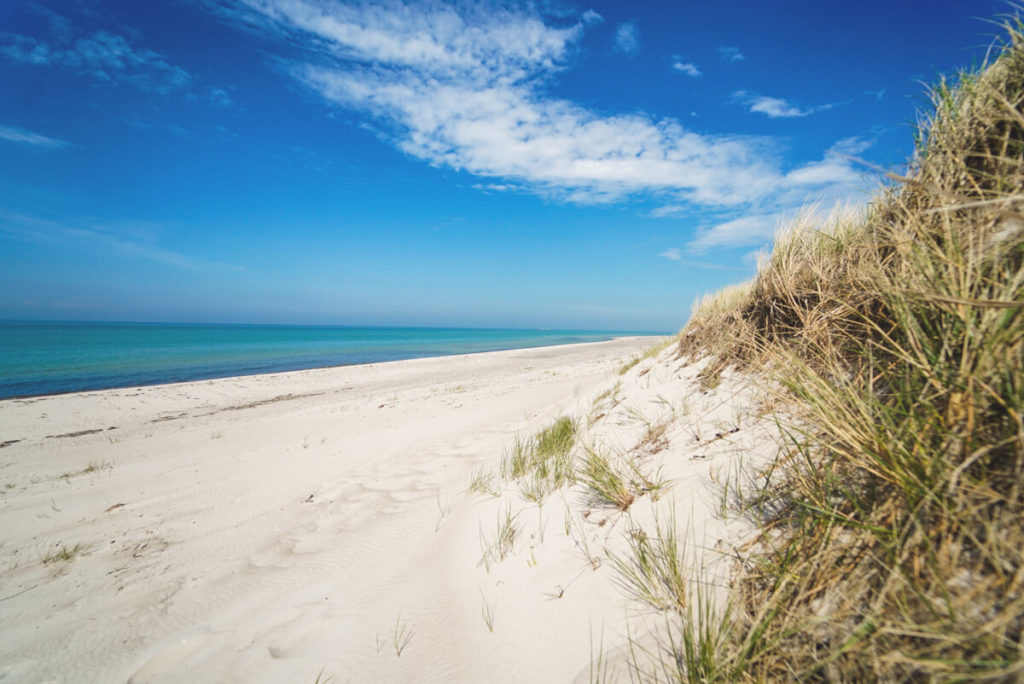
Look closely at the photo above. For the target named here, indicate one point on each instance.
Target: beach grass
(498, 546)
(606, 482)
(63, 554)
(652, 569)
(890, 531)
(543, 463)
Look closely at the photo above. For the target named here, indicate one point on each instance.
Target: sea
(38, 358)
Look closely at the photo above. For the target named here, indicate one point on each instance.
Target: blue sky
(495, 164)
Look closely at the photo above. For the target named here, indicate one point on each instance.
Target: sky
(594, 165)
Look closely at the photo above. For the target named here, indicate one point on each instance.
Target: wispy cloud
(832, 181)
(776, 107)
(730, 54)
(465, 86)
(627, 38)
(687, 68)
(745, 231)
(672, 254)
(219, 98)
(101, 55)
(20, 135)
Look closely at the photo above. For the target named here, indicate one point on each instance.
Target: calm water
(49, 358)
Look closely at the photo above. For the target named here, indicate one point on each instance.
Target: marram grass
(893, 548)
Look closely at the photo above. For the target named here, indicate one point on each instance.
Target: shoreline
(203, 377)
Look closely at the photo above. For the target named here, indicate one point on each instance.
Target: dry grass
(892, 547)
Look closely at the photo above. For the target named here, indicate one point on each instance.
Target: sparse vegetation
(649, 353)
(484, 482)
(544, 463)
(628, 366)
(652, 571)
(402, 635)
(487, 612)
(502, 543)
(63, 554)
(606, 484)
(93, 467)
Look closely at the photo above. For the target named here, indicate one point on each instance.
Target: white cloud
(627, 38)
(672, 254)
(497, 187)
(834, 169)
(465, 87)
(20, 135)
(730, 54)
(776, 107)
(746, 231)
(686, 68)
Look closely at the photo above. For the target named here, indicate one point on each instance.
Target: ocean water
(51, 358)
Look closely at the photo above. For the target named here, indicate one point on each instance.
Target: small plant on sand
(642, 483)
(484, 482)
(649, 353)
(601, 670)
(688, 647)
(401, 636)
(652, 570)
(543, 464)
(653, 440)
(574, 528)
(501, 545)
(628, 366)
(487, 611)
(93, 467)
(444, 509)
(63, 554)
(606, 484)
(603, 403)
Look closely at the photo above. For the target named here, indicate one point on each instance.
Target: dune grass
(501, 544)
(648, 353)
(63, 554)
(652, 572)
(891, 536)
(544, 463)
(606, 483)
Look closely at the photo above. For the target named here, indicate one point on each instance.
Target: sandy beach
(280, 527)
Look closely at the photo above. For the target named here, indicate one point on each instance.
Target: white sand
(270, 528)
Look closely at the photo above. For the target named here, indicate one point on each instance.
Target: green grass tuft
(543, 464)
(63, 554)
(607, 485)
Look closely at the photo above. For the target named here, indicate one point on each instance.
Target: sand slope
(274, 527)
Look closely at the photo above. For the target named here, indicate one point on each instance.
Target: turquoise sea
(51, 358)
